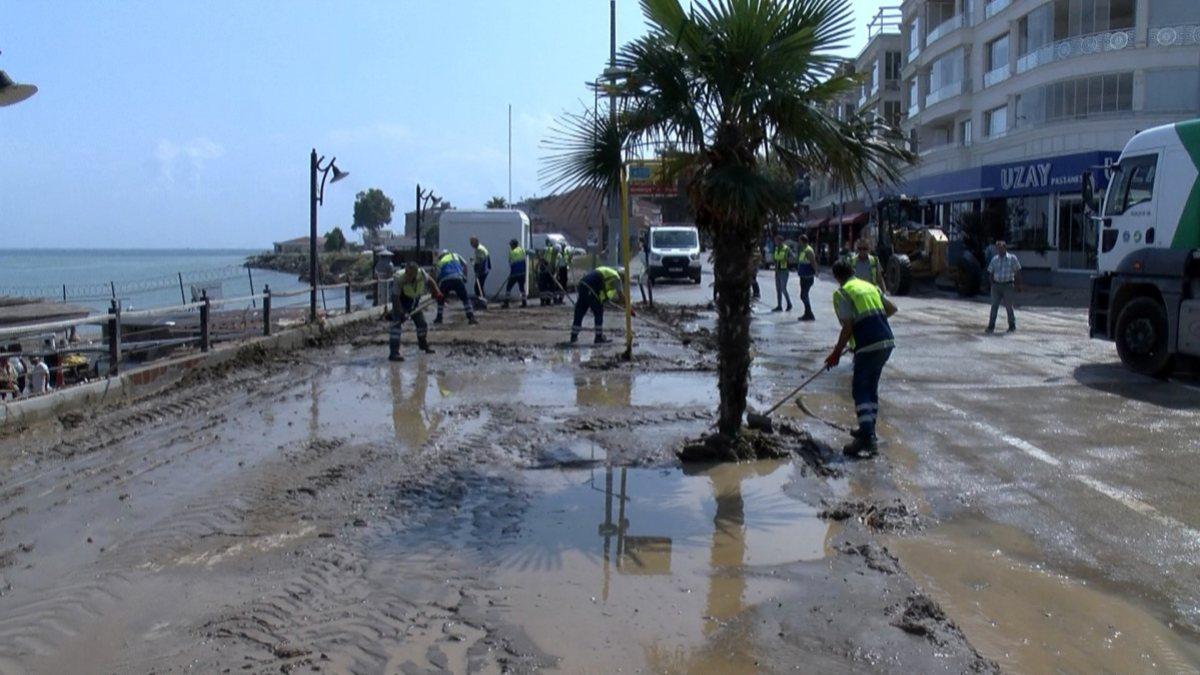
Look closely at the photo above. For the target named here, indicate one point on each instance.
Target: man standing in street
(1005, 271)
(866, 265)
(562, 271)
(516, 272)
(780, 256)
(481, 261)
(407, 289)
(863, 312)
(806, 268)
(452, 278)
(595, 288)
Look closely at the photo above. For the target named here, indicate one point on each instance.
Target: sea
(138, 278)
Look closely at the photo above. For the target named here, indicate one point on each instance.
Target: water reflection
(413, 419)
(602, 389)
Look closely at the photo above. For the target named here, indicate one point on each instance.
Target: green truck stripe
(1187, 233)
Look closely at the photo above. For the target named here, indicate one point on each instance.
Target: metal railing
(994, 7)
(1080, 45)
(148, 334)
(1174, 36)
(946, 92)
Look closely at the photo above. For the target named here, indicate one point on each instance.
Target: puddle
(1030, 620)
(646, 566)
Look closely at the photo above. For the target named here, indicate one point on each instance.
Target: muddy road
(506, 505)
(511, 504)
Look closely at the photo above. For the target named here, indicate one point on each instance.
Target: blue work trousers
(587, 302)
(868, 367)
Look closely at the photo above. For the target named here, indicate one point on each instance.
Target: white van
(673, 251)
(495, 228)
(540, 241)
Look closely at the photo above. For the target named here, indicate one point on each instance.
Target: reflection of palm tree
(727, 584)
(603, 389)
(412, 422)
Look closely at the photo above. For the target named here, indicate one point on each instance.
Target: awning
(855, 218)
(814, 223)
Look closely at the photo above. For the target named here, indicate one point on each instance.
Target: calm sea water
(143, 278)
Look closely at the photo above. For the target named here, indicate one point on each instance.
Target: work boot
(1012, 329)
(574, 337)
(861, 448)
(600, 339)
(808, 317)
(423, 344)
(437, 319)
(472, 320)
(789, 308)
(524, 303)
(777, 309)
(504, 305)
(394, 351)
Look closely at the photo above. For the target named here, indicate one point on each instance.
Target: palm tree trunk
(733, 249)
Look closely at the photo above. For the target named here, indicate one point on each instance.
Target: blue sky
(188, 124)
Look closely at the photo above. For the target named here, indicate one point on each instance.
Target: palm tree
(735, 94)
(497, 202)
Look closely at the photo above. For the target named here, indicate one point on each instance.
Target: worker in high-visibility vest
(562, 271)
(516, 272)
(863, 311)
(481, 262)
(452, 278)
(806, 269)
(781, 259)
(407, 289)
(601, 285)
(866, 265)
(545, 273)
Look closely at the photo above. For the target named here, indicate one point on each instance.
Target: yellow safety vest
(781, 256)
(412, 290)
(610, 283)
(516, 255)
(871, 328)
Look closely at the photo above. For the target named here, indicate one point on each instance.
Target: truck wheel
(1141, 337)
(899, 274)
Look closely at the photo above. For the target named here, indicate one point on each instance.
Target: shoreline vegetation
(333, 267)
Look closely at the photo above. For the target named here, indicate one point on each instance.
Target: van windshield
(674, 239)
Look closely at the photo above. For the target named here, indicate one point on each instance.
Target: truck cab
(1146, 297)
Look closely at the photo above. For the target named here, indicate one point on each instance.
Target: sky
(189, 124)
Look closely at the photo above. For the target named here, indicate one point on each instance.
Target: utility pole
(510, 155)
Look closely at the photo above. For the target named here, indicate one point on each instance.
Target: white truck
(1146, 297)
(495, 228)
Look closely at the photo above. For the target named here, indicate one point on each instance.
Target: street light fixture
(11, 92)
(425, 199)
(316, 197)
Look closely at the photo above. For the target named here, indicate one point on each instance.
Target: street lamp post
(425, 199)
(11, 92)
(316, 197)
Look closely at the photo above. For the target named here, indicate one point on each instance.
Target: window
(1093, 95)
(947, 71)
(1132, 184)
(964, 132)
(891, 113)
(995, 121)
(892, 71)
(848, 111)
(1027, 221)
(914, 36)
(1035, 29)
(1083, 17)
(997, 53)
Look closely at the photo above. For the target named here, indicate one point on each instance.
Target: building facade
(1007, 102)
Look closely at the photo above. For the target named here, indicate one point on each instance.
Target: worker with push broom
(863, 311)
(595, 288)
(407, 289)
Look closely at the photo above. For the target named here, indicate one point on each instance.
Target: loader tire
(899, 274)
(1141, 337)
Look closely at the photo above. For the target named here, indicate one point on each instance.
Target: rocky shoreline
(333, 267)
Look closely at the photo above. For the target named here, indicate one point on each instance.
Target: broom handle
(795, 391)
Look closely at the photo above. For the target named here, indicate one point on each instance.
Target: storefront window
(1028, 222)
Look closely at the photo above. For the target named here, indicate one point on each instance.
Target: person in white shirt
(39, 377)
(1005, 271)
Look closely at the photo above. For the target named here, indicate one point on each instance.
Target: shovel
(763, 421)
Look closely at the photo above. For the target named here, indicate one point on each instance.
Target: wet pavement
(512, 504)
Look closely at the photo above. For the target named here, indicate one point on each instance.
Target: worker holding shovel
(481, 261)
(863, 311)
(595, 288)
(408, 287)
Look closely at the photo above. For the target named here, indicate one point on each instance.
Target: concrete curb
(152, 377)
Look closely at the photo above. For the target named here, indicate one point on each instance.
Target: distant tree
(372, 210)
(335, 240)
(497, 202)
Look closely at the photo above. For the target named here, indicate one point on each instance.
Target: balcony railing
(944, 28)
(1174, 36)
(913, 54)
(994, 7)
(914, 109)
(996, 75)
(1080, 45)
(946, 92)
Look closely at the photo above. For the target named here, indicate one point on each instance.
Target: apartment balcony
(943, 29)
(946, 102)
(996, 76)
(994, 7)
(945, 93)
(1174, 36)
(914, 110)
(1082, 45)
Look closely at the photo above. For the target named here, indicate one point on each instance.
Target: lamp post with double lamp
(425, 199)
(316, 197)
